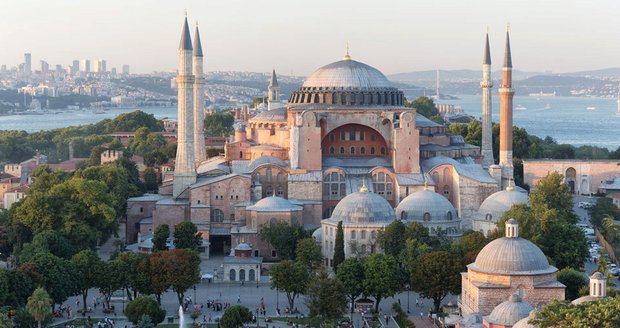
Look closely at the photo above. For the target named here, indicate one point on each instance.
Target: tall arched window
(383, 185)
(280, 192)
(352, 150)
(269, 191)
(372, 150)
(403, 216)
(449, 216)
(331, 150)
(341, 150)
(334, 186)
(268, 173)
(353, 234)
(363, 150)
(257, 178)
(217, 215)
(382, 150)
(280, 177)
(427, 216)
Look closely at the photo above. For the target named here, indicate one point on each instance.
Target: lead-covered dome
(510, 312)
(274, 204)
(347, 83)
(494, 207)
(363, 207)
(511, 255)
(425, 205)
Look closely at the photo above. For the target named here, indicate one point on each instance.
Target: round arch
(352, 137)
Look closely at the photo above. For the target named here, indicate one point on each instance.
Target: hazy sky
(298, 36)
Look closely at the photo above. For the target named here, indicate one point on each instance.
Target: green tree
(603, 208)
(283, 237)
(145, 322)
(111, 281)
(392, 238)
(88, 267)
(129, 122)
(351, 274)
(326, 298)
(381, 277)
(158, 277)
(182, 267)
(5, 321)
(133, 268)
(573, 280)
(144, 305)
(39, 305)
(554, 193)
(436, 275)
(186, 236)
(151, 178)
(529, 224)
(219, 124)
(47, 241)
(604, 313)
(290, 277)
(235, 316)
(470, 244)
(4, 286)
(338, 246)
(425, 107)
(58, 276)
(160, 237)
(308, 253)
(20, 286)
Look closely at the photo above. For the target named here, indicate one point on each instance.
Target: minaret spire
(200, 152)
(185, 167)
(487, 131)
(273, 92)
(506, 94)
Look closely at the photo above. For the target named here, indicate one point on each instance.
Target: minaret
(506, 92)
(200, 152)
(185, 167)
(274, 91)
(487, 127)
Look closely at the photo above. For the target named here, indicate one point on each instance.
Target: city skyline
(248, 36)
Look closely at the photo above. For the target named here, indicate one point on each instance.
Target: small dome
(598, 276)
(274, 204)
(523, 323)
(347, 74)
(363, 207)
(500, 202)
(512, 255)
(415, 206)
(243, 247)
(317, 235)
(509, 312)
(263, 160)
(274, 115)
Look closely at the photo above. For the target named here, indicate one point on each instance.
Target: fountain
(181, 317)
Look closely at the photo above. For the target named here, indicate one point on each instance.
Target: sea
(573, 120)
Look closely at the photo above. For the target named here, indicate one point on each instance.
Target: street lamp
(194, 294)
(408, 288)
(257, 275)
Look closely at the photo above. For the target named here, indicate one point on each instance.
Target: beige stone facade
(582, 176)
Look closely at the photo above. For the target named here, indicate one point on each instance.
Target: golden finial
(346, 55)
(508, 27)
(363, 188)
(510, 187)
(425, 184)
(186, 13)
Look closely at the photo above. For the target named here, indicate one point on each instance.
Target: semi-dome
(425, 205)
(243, 247)
(347, 83)
(510, 311)
(274, 115)
(494, 206)
(265, 160)
(511, 255)
(363, 207)
(274, 204)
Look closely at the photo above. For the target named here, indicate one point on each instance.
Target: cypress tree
(339, 246)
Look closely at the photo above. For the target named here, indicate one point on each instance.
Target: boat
(542, 94)
(520, 107)
(590, 108)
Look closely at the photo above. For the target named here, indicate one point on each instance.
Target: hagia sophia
(344, 148)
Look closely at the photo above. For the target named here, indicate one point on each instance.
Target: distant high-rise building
(85, 65)
(45, 67)
(99, 66)
(3, 68)
(27, 63)
(75, 67)
(113, 71)
(125, 69)
(59, 69)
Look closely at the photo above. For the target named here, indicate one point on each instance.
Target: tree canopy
(290, 277)
(144, 305)
(436, 275)
(603, 313)
(219, 124)
(235, 316)
(339, 246)
(160, 237)
(186, 236)
(283, 237)
(326, 297)
(381, 277)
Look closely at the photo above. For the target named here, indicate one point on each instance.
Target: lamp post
(257, 275)
(194, 294)
(408, 288)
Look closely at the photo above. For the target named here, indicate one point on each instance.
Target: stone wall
(585, 176)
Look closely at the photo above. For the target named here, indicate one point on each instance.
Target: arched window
(488, 217)
(232, 275)
(403, 216)
(383, 185)
(436, 177)
(363, 150)
(446, 191)
(251, 275)
(217, 215)
(241, 275)
(352, 150)
(353, 234)
(427, 216)
(343, 135)
(382, 150)
(332, 137)
(268, 173)
(363, 234)
(341, 150)
(372, 150)
(269, 191)
(446, 175)
(352, 134)
(257, 178)
(449, 216)
(373, 234)
(280, 192)
(334, 186)
(331, 150)
(241, 154)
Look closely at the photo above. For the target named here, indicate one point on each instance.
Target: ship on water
(542, 94)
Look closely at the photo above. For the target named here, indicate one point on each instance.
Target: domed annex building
(300, 160)
(494, 207)
(506, 266)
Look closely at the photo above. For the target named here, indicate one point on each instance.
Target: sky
(296, 37)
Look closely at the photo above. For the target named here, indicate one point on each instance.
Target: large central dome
(346, 83)
(347, 74)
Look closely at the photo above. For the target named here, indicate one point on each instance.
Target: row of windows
(269, 191)
(362, 234)
(235, 197)
(352, 135)
(269, 176)
(426, 217)
(352, 151)
(379, 98)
